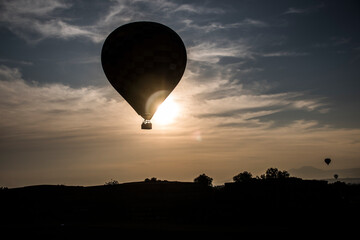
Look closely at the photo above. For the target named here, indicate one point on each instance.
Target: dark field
(289, 205)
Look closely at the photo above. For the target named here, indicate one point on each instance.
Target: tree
(274, 173)
(153, 179)
(204, 180)
(271, 173)
(283, 174)
(112, 182)
(243, 177)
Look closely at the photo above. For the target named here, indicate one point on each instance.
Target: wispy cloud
(212, 51)
(334, 42)
(198, 9)
(35, 110)
(36, 8)
(9, 74)
(36, 20)
(161, 10)
(40, 19)
(285, 54)
(63, 30)
(233, 104)
(246, 106)
(294, 10)
(213, 26)
(337, 41)
(13, 61)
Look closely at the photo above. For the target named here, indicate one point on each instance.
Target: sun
(166, 112)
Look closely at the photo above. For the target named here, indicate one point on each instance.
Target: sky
(267, 84)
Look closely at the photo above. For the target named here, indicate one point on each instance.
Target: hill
(149, 207)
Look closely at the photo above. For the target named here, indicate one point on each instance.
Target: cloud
(63, 30)
(198, 9)
(294, 10)
(212, 51)
(40, 19)
(37, 8)
(9, 74)
(245, 106)
(32, 110)
(122, 12)
(285, 54)
(19, 62)
(334, 42)
(253, 23)
(213, 26)
(337, 41)
(36, 20)
(224, 102)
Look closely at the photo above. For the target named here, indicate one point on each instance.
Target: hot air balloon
(327, 161)
(144, 61)
(336, 176)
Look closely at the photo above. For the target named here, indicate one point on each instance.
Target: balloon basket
(147, 125)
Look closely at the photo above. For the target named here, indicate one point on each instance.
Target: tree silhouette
(283, 174)
(274, 173)
(204, 180)
(153, 179)
(243, 177)
(112, 182)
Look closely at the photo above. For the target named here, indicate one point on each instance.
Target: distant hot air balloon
(144, 61)
(327, 161)
(336, 176)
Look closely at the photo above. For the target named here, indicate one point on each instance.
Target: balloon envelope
(144, 61)
(327, 161)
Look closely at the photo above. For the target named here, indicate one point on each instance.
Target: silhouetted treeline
(274, 202)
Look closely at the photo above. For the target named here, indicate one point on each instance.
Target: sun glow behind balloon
(167, 112)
